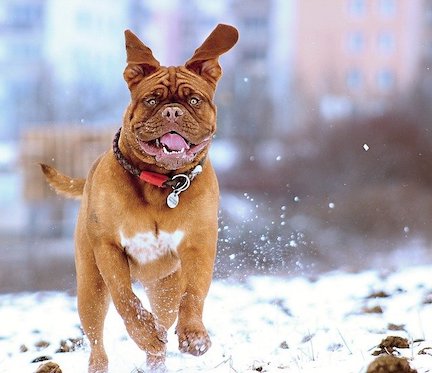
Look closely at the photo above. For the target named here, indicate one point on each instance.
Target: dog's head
(172, 117)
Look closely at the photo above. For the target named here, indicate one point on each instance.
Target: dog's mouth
(172, 150)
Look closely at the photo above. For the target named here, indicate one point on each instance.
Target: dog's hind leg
(93, 302)
(164, 296)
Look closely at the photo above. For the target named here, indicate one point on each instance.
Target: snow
(268, 324)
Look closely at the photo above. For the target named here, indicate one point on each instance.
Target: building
(21, 62)
(61, 61)
(181, 26)
(355, 56)
(424, 80)
(263, 68)
(85, 57)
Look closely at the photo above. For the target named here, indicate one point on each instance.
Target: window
(356, 42)
(3, 53)
(354, 79)
(428, 12)
(24, 51)
(387, 8)
(3, 15)
(386, 42)
(385, 79)
(357, 8)
(256, 22)
(25, 15)
(83, 20)
(428, 49)
(256, 54)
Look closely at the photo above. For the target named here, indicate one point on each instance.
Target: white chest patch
(146, 247)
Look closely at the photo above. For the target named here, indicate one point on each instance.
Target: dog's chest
(145, 247)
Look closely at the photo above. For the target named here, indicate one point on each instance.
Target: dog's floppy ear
(204, 62)
(140, 59)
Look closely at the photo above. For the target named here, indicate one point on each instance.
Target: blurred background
(324, 146)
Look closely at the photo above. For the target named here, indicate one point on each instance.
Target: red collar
(154, 178)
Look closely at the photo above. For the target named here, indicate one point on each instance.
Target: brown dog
(149, 206)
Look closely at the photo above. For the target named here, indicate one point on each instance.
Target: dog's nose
(172, 113)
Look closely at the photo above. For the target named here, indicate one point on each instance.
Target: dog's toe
(194, 342)
(156, 364)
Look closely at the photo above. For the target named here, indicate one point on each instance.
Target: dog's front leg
(141, 325)
(197, 271)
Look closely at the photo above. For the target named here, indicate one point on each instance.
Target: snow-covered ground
(264, 324)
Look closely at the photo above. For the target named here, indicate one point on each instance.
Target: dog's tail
(62, 184)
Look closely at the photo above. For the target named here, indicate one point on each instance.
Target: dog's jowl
(149, 206)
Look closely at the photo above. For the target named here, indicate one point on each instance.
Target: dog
(149, 206)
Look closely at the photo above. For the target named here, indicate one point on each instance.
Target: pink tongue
(174, 141)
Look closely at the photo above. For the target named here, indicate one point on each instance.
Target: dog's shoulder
(103, 173)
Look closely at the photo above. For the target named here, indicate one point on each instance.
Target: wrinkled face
(171, 118)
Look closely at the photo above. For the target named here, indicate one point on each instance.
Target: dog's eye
(194, 101)
(151, 101)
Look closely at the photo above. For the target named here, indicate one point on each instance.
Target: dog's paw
(156, 364)
(156, 338)
(193, 340)
(148, 334)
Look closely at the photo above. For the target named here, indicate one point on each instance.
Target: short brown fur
(116, 203)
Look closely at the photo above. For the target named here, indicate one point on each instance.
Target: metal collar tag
(183, 184)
